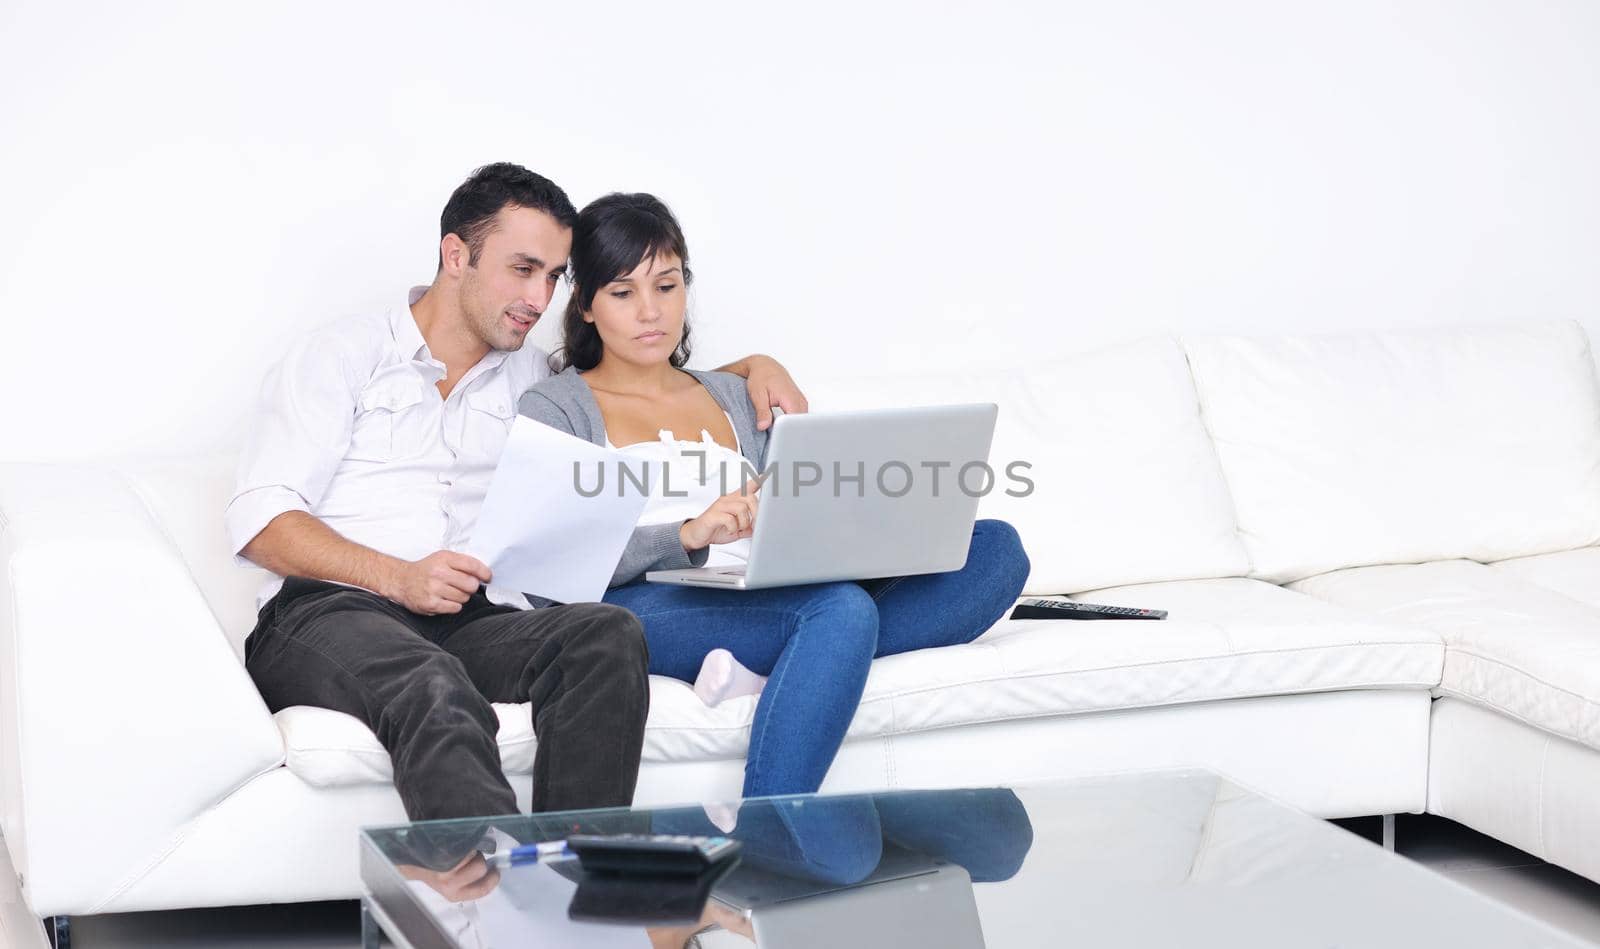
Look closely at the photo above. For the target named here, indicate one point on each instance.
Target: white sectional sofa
(1377, 552)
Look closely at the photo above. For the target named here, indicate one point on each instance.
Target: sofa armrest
(124, 713)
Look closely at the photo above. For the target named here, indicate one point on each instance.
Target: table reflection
(871, 869)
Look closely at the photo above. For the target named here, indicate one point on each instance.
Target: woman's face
(640, 315)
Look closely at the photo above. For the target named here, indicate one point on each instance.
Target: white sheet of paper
(538, 533)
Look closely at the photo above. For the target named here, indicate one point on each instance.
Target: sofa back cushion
(187, 496)
(1126, 486)
(1479, 443)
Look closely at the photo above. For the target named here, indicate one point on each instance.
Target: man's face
(505, 293)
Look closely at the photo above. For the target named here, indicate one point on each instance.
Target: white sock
(725, 817)
(722, 677)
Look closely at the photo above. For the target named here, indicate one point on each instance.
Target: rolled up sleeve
(299, 434)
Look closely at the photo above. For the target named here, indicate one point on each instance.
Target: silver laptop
(858, 495)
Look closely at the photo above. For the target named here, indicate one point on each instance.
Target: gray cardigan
(565, 402)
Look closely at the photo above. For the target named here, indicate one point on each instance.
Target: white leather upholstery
(128, 727)
(1572, 573)
(125, 713)
(184, 496)
(1403, 447)
(1520, 649)
(1228, 639)
(329, 749)
(1333, 754)
(1517, 783)
(1126, 483)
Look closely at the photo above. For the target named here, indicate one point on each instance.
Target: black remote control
(650, 853)
(1066, 609)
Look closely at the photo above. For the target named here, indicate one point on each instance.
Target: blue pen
(547, 852)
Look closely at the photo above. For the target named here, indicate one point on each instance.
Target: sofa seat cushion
(1511, 645)
(1227, 638)
(332, 749)
(1573, 573)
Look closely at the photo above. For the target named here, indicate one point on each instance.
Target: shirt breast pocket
(490, 416)
(387, 427)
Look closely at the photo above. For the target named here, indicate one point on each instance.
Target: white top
(351, 429)
(686, 477)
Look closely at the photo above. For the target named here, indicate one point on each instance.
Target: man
(371, 454)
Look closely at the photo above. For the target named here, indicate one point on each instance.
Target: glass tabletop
(1178, 858)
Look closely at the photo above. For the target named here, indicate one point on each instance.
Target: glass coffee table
(1179, 858)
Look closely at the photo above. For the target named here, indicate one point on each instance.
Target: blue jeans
(840, 839)
(815, 643)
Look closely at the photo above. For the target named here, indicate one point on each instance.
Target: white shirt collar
(410, 344)
(408, 341)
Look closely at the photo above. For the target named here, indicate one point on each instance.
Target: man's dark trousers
(423, 684)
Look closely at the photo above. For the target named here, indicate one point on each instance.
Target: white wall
(183, 188)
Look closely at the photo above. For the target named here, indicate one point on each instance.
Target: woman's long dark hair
(614, 234)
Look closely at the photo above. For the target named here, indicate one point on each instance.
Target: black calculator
(650, 853)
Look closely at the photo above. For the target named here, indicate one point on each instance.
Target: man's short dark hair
(470, 212)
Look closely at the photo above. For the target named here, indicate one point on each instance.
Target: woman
(621, 383)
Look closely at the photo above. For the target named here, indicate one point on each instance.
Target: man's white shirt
(351, 429)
